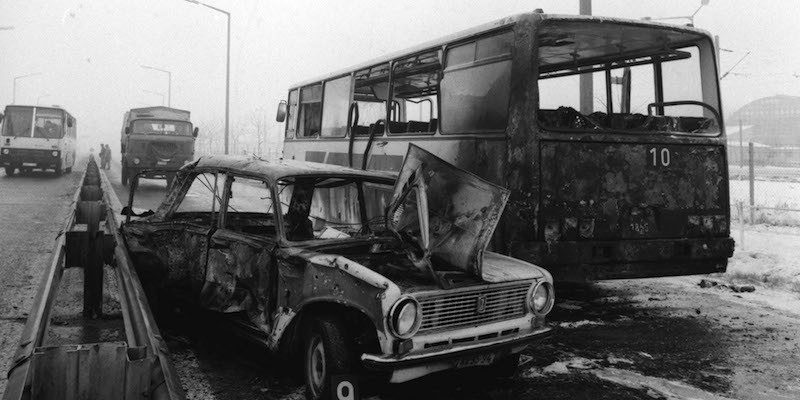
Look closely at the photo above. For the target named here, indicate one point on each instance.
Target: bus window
(49, 123)
(415, 88)
(334, 107)
(291, 119)
(476, 84)
(310, 111)
(370, 95)
(17, 121)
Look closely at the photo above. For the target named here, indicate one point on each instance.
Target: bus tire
(124, 175)
(10, 171)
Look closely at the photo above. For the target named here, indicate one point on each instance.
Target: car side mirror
(70, 122)
(281, 116)
(196, 130)
(127, 130)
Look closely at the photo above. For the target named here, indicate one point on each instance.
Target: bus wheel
(326, 351)
(9, 171)
(124, 175)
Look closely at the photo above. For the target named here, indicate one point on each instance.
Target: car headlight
(136, 161)
(541, 298)
(5, 151)
(405, 317)
(55, 153)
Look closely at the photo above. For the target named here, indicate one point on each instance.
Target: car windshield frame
(317, 222)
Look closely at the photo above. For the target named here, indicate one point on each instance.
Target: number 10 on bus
(658, 157)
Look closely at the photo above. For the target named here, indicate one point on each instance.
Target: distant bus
(36, 137)
(609, 133)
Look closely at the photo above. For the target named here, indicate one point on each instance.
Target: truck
(157, 140)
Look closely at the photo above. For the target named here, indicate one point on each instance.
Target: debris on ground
(708, 283)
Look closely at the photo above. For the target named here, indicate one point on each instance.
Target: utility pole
(586, 84)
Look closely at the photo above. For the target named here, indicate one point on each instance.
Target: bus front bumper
(34, 158)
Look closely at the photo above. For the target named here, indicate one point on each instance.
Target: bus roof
(491, 26)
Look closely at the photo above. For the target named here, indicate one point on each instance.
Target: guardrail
(138, 368)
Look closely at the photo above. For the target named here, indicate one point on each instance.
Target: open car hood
(447, 214)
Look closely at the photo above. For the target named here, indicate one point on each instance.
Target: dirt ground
(664, 338)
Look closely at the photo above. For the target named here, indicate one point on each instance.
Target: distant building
(773, 121)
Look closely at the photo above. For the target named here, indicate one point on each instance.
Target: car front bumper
(420, 363)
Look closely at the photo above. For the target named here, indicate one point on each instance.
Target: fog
(87, 56)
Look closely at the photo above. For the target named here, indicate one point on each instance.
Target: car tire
(124, 175)
(505, 367)
(10, 171)
(326, 352)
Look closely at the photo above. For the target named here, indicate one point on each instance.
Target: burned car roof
(275, 170)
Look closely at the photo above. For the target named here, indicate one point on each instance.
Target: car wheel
(10, 171)
(124, 175)
(506, 367)
(326, 353)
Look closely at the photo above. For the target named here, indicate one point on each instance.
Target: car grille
(464, 307)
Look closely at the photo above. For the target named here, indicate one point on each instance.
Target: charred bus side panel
(156, 138)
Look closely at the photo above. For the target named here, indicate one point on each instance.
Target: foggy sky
(88, 52)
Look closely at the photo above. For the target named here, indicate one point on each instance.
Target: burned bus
(608, 132)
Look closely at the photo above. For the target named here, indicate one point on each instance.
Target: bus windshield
(162, 127)
(640, 79)
(17, 121)
(49, 123)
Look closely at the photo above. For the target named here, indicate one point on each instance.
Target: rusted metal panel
(609, 191)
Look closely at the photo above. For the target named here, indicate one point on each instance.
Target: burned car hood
(448, 214)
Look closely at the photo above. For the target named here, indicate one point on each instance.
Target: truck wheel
(326, 352)
(10, 171)
(124, 175)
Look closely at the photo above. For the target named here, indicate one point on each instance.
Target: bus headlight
(405, 317)
(5, 151)
(541, 298)
(136, 161)
(55, 153)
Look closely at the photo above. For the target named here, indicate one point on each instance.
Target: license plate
(476, 361)
(161, 163)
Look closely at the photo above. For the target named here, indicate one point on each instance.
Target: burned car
(356, 273)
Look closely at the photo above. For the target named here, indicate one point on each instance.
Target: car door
(240, 274)
(171, 252)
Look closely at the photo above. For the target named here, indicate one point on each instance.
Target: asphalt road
(33, 207)
(654, 339)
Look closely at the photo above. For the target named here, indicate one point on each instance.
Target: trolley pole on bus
(227, 69)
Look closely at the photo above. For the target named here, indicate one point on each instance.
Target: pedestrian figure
(102, 156)
(108, 157)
